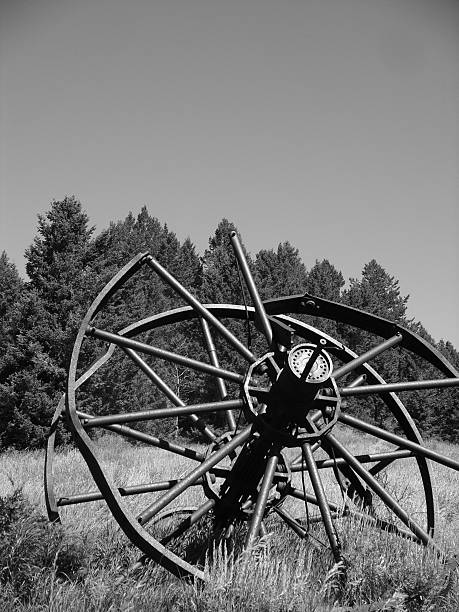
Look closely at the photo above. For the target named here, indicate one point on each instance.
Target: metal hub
(300, 401)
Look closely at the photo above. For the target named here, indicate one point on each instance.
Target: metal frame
(277, 327)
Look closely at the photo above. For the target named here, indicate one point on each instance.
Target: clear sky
(329, 123)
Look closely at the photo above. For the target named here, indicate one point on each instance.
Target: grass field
(83, 565)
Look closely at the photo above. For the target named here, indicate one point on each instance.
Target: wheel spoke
(258, 304)
(140, 436)
(188, 480)
(207, 368)
(162, 413)
(291, 522)
(422, 451)
(367, 458)
(415, 385)
(367, 356)
(81, 498)
(189, 521)
(200, 309)
(212, 352)
(322, 502)
(262, 499)
(390, 502)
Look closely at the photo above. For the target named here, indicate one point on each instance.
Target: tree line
(67, 265)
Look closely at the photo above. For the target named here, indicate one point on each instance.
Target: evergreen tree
(11, 288)
(48, 315)
(280, 272)
(326, 282)
(377, 293)
(220, 279)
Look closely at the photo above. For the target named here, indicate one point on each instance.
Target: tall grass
(83, 565)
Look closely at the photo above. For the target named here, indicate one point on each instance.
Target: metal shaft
(414, 385)
(214, 361)
(394, 439)
(367, 356)
(205, 466)
(262, 499)
(163, 354)
(199, 308)
(162, 413)
(379, 490)
(258, 304)
(322, 502)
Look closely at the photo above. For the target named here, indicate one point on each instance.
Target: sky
(329, 123)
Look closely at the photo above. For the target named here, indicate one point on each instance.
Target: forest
(67, 264)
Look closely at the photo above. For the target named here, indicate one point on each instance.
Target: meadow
(84, 563)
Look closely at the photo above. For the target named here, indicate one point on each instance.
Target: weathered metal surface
(284, 410)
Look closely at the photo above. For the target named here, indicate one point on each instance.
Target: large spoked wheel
(274, 430)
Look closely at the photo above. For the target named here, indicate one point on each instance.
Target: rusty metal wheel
(284, 411)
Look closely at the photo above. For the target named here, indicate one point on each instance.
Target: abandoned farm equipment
(274, 426)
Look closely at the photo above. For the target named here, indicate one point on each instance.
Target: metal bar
(205, 466)
(398, 440)
(367, 356)
(82, 498)
(291, 522)
(212, 352)
(322, 502)
(357, 381)
(163, 413)
(347, 511)
(401, 386)
(258, 304)
(294, 492)
(133, 434)
(262, 499)
(369, 458)
(200, 309)
(189, 521)
(168, 392)
(390, 502)
(298, 460)
(163, 354)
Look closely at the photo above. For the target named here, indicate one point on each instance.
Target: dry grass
(280, 573)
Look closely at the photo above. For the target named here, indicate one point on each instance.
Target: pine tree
(220, 279)
(377, 293)
(11, 288)
(280, 273)
(48, 315)
(326, 282)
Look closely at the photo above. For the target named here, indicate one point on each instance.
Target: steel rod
(207, 368)
(347, 419)
(322, 502)
(298, 460)
(189, 521)
(390, 502)
(291, 522)
(188, 480)
(400, 386)
(162, 413)
(169, 393)
(140, 436)
(347, 511)
(70, 500)
(357, 381)
(258, 304)
(367, 356)
(200, 309)
(262, 499)
(212, 352)
(368, 458)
